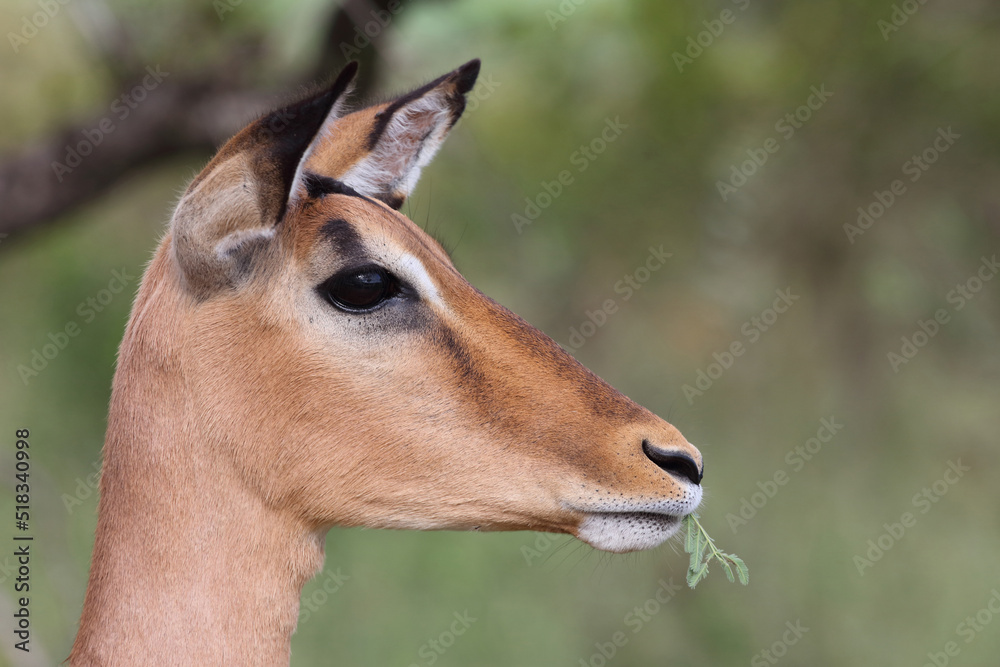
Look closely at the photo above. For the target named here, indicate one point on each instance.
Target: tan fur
(248, 417)
(336, 152)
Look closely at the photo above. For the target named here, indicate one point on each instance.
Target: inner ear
(404, 141)
(395, 141)
(229, 211)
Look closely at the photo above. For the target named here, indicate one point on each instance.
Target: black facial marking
(344, 236)
(460, 355)
(319, 186)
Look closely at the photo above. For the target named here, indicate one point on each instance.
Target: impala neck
(190, 566)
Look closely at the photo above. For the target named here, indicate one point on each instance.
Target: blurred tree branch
(184, 113)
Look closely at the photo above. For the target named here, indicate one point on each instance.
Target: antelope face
(355, 377)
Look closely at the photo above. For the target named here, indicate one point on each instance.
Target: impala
(300, 356)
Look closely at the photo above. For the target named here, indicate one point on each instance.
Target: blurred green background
(553, 74)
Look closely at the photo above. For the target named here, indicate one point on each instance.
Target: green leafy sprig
(702, 549)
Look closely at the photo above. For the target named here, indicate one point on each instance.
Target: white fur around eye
(412, 270)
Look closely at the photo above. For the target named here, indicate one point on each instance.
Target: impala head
(353, 376)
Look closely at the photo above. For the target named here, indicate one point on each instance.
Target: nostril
(675, 463)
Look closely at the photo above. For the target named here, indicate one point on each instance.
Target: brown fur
(248, 417)
(337, 152)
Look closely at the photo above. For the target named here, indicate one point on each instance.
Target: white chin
(620, 532)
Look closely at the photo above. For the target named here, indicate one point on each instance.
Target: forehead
(336, 227)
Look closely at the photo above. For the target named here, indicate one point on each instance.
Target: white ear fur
(236, 241)
(409, 142)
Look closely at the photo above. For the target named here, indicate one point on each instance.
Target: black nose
(675, 463)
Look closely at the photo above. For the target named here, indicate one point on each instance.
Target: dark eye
(360, 290)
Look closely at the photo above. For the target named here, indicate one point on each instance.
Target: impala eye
(360, 290)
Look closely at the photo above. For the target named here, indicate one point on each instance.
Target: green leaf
(689, 534)
(700, 543)
(741, 569)
(700, 573)
(694, 561)
(729, 570)
(702, 549)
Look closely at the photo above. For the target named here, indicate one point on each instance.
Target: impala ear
(229, 211)
(379, 151)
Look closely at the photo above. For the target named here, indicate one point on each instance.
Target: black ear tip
(343, 81)
(350, 70)
(467, 74)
